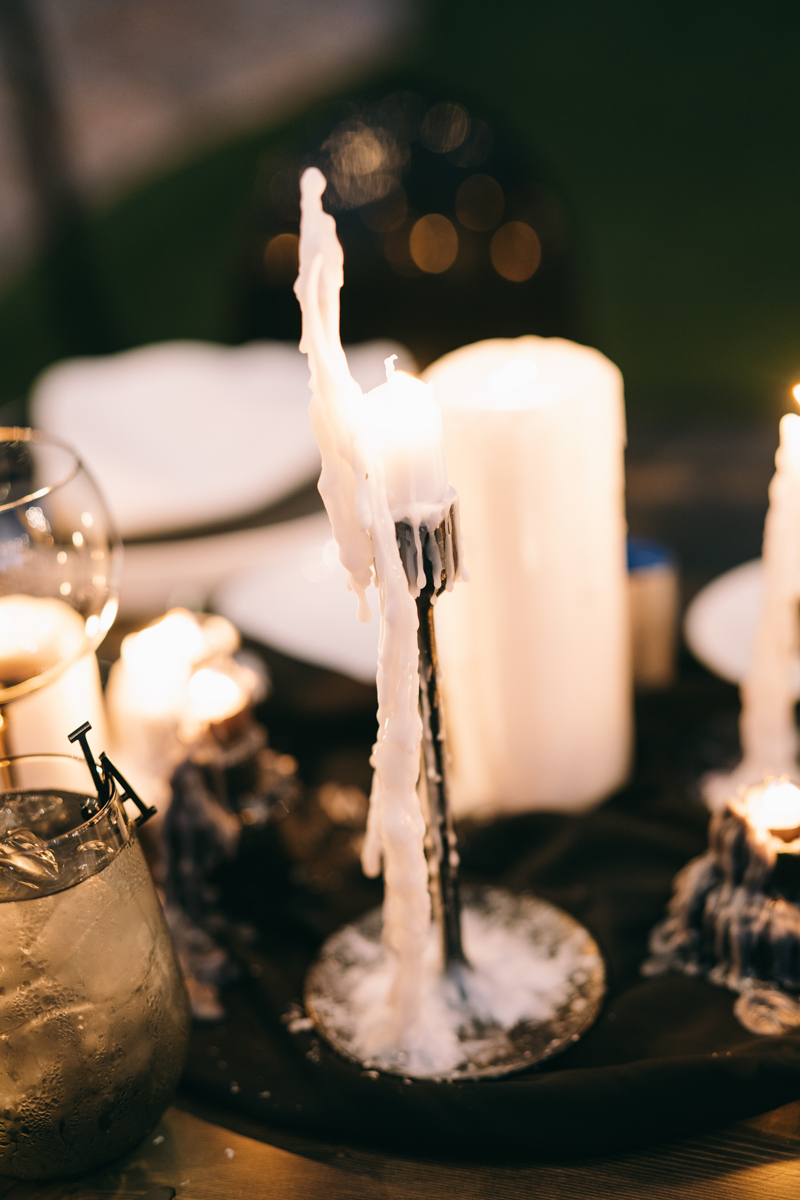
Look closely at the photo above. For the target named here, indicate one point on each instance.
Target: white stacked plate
(183, 435)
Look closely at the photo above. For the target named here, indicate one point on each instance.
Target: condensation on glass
(94, 1020)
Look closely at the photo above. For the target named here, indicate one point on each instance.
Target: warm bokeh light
(775, 806)
(433, 244)
(387, 214)
(214, 695)
(796, 392)
(516, 251)
(444, 127)
(480, 203)
(396, 249)
(281, 259)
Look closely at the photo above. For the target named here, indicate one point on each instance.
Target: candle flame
(774, 806)
(796, 392)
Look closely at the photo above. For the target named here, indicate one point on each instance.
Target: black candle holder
(483, 1041)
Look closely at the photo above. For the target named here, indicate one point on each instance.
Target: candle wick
(389, 364)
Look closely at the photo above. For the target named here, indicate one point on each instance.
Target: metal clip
(104, 782)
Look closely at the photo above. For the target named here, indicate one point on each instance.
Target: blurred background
(625, 175)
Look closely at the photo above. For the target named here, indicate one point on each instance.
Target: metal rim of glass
(15, 433)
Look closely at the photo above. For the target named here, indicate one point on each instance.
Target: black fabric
(665, 1057)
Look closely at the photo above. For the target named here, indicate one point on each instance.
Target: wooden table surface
(194, 1159)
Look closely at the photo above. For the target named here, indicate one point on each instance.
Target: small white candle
(156, 703)
(402, 423)
(535, 653)
(767, 722)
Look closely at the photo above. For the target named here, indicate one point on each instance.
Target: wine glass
(60, 565)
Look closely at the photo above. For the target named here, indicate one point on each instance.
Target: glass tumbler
(94, 1018)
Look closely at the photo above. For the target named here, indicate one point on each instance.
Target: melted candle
(382, 462)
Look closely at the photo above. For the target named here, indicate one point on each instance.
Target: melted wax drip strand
(353, 488)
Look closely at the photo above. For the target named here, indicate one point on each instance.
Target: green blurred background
(670, 132)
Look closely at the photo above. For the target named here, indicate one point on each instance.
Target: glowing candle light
(156, 704)
(774, 807)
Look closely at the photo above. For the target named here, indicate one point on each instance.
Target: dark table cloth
(666, 1055)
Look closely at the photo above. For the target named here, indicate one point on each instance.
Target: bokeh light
(388, 213)
(516, 251)
(281, 259)
(796, 392)
(480, 203)
(433, 244)
(444, 127)
(476, 147)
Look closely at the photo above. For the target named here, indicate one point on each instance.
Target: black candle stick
(439, 551)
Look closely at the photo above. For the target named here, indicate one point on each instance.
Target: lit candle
(157, 705)
(402, 424)
(772, 808)
(767, 723)
(44, 639)
(735, 913)
(535, 653)
(382, 461)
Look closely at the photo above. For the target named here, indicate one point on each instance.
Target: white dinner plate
(296, 599)
(184, 434)
(720, 623)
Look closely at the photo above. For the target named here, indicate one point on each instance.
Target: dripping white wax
(373, 474)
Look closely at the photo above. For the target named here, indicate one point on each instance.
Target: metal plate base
(545, 945)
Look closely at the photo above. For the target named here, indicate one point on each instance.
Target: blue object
(644, 554)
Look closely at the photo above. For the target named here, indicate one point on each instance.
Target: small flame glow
(775, 805)
(796, 392)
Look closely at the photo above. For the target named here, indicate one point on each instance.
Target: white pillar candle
(535, 653)
(38, 635)
(382, 461)
(767, 723)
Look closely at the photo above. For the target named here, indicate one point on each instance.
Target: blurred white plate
(720, 623)
(183, 434)
(296, 599)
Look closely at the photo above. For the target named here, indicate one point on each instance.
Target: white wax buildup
(535, 653)
(377, 469)
(767, 723)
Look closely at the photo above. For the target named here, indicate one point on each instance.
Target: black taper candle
(439, 552)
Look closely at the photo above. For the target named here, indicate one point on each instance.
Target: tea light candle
(535, 653)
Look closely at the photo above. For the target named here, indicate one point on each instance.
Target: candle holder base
(535, 984)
